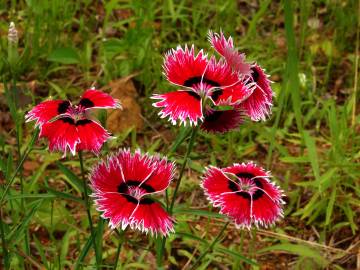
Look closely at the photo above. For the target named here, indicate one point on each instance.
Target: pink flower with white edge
(244, 193)
(123, 186)
(200, 79)
(258, 105)
(225, 47)
(68, 126)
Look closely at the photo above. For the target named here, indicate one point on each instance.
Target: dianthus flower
(122, 188)
(68, 126)
(218, 94)
(244, 193)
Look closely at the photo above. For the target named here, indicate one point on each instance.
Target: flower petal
(116, 207)
(267, 203)
(226, 49)
(47, 110)
(97, 99)
(219, 42)
(215, 183)
(162, 175)
(151, 217)
(135, 167)
(229, 88)
(237, 206)
(217, 121)
(181, 66)
(62, 135)
(106, 176)
(180, 105)
(92, 135)
(258, 105)
(65, 133)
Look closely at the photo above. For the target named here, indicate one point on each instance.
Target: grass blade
(311, 147)
(73, 179)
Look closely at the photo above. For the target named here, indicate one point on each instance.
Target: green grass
(311, 143)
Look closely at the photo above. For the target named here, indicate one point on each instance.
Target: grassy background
(311, 143)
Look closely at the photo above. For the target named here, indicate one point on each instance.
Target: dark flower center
(255, 74)
(216, 94)
(86, 103)
(197, 79)
(193, 94)
(134, 193)
(213, 116)
(75, 114)
(247, 183)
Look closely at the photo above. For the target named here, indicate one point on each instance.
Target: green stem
(211, 246)
(15, 94)
(161, 249)
(24, 156)
(160, 253)
(3, 241)
(86, 200)
(252, 242)
(182, 170)
(121, 240)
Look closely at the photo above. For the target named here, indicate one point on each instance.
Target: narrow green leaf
(65, 243)
(292, 64)
(290, 159)
(236, 255)
(311, 147)
(191, 236)
(182, 135)
(301, 250)
(65, 55)
(203, 213)
(99, 238)
(33, 196)
(75, 181)
(64, 195)
(83, 253)
(330, 206)
(40, 249)
(9, 167)
(16, 234)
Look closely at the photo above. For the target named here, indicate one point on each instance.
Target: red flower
(200, 80)
(258, 105)
(122, 186)
(244, 193)
(226, 48)
(221, 121)
(68, 126)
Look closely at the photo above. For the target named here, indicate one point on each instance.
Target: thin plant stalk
(3, 242)
(252, 242)
(182, 170)
(14, 94)
(86, 200)
(353, 117)
(24, 156)
(118, 250)
(209, 248)
(161, 249)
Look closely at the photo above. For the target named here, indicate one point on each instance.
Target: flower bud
(13, 40)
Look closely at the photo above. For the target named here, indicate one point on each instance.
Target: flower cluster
(215, 94)
(209, 86)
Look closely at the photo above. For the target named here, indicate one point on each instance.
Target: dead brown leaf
(129, 116)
